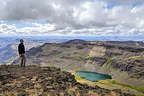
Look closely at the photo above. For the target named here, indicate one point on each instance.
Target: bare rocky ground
(46, 81)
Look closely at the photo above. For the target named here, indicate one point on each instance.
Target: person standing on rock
(21, 50)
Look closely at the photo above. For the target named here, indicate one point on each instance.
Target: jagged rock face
(134, 66)
(46, 81)
(79, 55)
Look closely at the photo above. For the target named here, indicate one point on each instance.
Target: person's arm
(24, 48)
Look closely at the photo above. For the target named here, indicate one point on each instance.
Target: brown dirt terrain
(46, 81)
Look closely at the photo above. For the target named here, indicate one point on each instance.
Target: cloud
(123, 1)
(73, 17)
(7, 29)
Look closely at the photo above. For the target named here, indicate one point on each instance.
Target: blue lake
(92, 76)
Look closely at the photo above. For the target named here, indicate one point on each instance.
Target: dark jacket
(21, 48)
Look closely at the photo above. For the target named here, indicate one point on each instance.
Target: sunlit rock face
(98, 51)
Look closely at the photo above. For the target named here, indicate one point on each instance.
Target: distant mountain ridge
(7, 54)
(76, 41)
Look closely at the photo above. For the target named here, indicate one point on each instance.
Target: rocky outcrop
(46, 81)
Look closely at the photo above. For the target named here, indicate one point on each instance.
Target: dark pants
(23, 60)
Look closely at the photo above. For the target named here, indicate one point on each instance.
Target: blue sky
(72, 17)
